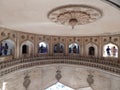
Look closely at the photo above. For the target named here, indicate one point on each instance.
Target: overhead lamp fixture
(73, 22)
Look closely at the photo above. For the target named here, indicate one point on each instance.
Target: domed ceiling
(32, 16)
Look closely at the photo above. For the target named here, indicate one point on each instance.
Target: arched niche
(27, 49)
(43, 47)
(92, 50)
(24, 49)
(7, 48)
(110, 50)
(74, 48)
(58, 48)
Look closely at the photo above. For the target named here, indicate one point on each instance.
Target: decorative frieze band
(14, 65)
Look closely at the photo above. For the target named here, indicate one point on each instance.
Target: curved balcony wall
(22, 52)
(22, 44)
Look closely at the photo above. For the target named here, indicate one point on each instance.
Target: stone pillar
(100, 49)
(51, 46)
(17, 47)
(1, 85)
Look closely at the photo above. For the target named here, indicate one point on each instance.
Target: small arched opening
(43, 47)
(110, 50)
(24, 49)
(27, 49)
(91, 51)
(7, 47)
(74, 48)
(59, 48)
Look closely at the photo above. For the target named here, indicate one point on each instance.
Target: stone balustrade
(17, 64)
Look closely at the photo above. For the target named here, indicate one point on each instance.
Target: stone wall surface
(73, 76)
(82, 41)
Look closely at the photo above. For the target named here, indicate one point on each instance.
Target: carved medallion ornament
(58, 75)
(90, 79)
(73, 15)
(26, 82)
(3, 34)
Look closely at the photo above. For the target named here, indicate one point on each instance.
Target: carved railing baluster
(13, 65)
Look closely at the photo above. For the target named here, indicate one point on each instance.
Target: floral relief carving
(55, 39)
(95, 40)
(86, 40)
(3, 34)
(90, 79)
(32, 37)
(115, 39)
(39, 38)
(105, 40)
(69, 40)
(13, 35)
(58, 75)
(26, 82)
(23, 37)
(74, 15)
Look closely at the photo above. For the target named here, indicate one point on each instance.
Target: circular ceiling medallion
(73, 15)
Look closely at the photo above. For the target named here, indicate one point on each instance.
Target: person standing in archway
(1, 49)
(5, 49)
(108, 51)
(113, 50)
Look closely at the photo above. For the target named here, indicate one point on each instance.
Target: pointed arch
(74, 48)
(24, 49)
(27, 49)
(110, 50)
(7, 47)
(92, 50)
(58, 48)
(43, 47)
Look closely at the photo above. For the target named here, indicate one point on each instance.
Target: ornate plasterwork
(74, 15)
(58, 75)
(26, 82)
